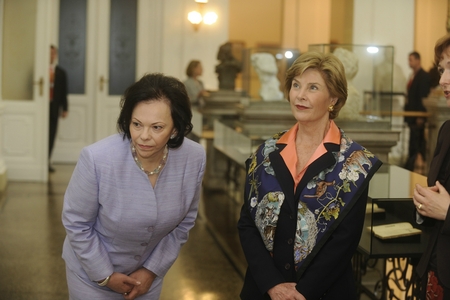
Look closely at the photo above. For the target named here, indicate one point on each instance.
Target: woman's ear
(334, 101)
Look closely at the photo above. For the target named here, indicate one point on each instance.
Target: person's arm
(336, 254)
(432, 202)
(79, 215)
(167, 250)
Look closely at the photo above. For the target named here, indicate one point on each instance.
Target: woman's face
(198, 70)
(151, 127)
(309, 97)
(444, 70)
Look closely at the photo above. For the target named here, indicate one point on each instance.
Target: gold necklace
(158, 168)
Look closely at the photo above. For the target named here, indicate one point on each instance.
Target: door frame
(25, 122)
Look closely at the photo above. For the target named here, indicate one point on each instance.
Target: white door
(24, 89)
(116, 60)
(109, 64)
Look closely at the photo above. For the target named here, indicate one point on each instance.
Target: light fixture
(372, 49)
(197, 17)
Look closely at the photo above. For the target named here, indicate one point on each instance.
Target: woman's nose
(445, 78)
(145, 134)
(300, 94)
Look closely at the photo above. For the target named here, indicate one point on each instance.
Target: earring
(331, 108)
(173, 136)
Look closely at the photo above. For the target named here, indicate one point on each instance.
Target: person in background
(194, 86)
(305, 194)
(133, 196)
(418, 87)
(433, 202)
(59, 106)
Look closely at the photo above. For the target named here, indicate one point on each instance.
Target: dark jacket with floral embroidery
(308, 235)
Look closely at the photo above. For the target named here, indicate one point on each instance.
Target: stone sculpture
(228, 68)
(352, 108)
(267, 70)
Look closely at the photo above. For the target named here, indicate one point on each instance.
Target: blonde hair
(332, 71)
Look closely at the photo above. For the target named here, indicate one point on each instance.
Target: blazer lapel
(284, 176)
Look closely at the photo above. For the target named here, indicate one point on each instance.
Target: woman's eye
(441, 71)
(313, 87)
(136, 124)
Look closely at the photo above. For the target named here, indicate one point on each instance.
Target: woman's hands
(145, 278)
(133, 285)
(432, 202)
(285, 291)
(122, 283)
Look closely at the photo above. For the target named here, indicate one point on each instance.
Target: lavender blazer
(117, 222)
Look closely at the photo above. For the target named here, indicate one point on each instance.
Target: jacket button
(150, 229)
(287, 266)
(137, 257)
(144, 244)
(290, 241)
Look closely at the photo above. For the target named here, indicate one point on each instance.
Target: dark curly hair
(156, 87)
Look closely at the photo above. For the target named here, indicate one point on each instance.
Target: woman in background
(305, 194)
(133, 196)
(194, 86)
(432, 203)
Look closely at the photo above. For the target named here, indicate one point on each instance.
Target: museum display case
(372, 84)
(384, 262)
(390, 228)
(233, 142)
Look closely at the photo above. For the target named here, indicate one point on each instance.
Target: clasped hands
(432, 202)
(133, 285)
(285, 291)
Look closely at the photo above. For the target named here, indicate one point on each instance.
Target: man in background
(58, 99)
(418, 87)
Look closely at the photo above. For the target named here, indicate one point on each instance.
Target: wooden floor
(31, 238)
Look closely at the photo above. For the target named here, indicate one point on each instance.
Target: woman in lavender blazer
(133, 196)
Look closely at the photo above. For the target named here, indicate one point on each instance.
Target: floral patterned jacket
(294, 226)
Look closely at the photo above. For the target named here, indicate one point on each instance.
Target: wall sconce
(197, 17)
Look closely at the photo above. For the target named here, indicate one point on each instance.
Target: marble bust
(389, 76)
(352, 108)
(267, 70)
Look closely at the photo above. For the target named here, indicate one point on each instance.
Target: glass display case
(390, 207)
(372, 85)
(269, 65)
(232, 141)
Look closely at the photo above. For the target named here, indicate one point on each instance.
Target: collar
(289, 153)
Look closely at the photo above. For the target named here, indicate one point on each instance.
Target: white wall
(387, 23)
(181, 43)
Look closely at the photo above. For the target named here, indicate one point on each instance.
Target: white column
(386, 23)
